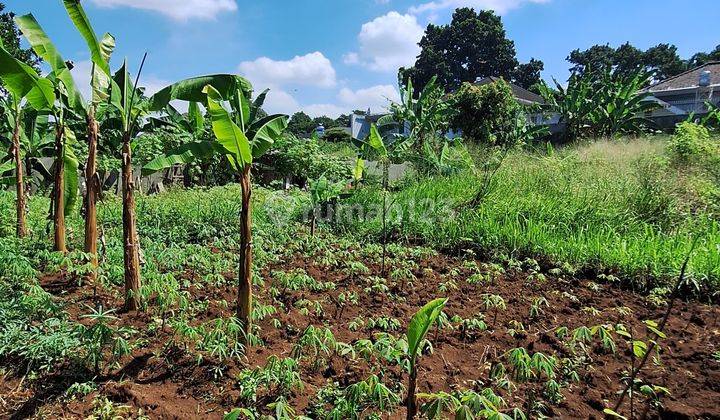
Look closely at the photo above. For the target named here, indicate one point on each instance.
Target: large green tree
(10, 35)
(300, 124)
(702, 57)
(326, 122)
(661, 61)
(473, 45)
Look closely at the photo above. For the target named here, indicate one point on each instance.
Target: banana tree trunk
(130, 237)
(59, 191)
(244, 304)
(20, 186)
(386, 175)
(411, 398)
(313, 222)
(92, 187)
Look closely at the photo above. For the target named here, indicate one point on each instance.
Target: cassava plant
(417, 330)
(242, 135)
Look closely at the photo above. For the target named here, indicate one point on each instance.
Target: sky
(328, 57)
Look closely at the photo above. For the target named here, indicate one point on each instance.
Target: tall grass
(607, 207)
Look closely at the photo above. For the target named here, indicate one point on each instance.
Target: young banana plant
(191, 123)
(100, 79)
(322, 191)
(417, 330)
(127, 112)
(242, 136)
(384, 149)
(66, 104)
(23, 84)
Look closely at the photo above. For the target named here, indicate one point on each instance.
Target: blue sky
(332, 56)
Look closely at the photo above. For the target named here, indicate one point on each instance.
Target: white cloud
(312, 69)
(328, 110)
(499, 6)
(179, 10)
(278, 101)
(387, 43)
(351, 58)
(376, 97)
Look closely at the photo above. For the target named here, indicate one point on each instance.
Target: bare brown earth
(163, 381)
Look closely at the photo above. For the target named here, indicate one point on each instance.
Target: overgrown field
(539, 319)
(611, 207)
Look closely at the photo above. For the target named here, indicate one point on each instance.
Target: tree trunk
(244, 304)
(386, 175)
(312, 222)
(411, 401)
(59, 190)
(130, 237)
(21, 224)
(92, 188)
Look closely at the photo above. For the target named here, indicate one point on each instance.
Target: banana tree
(23, 84)
(425, 116)
(100, 78)
(417, 330)
(191, 123)
(67, 104)
(385, 150)
(125, 111)
(36, 142)
(242, 136)
(322, 191)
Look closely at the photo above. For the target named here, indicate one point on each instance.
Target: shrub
(304, 158)
(337, 135)
(691, 144)
(487, 113)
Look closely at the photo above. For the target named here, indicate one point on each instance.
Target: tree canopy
(662, 60)
(300, 123)
(10, 35)
(472, 46)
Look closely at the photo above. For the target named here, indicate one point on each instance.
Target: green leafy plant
(241, 135)
(607, 106)
(57, 95)
(322, 191)
(100, 79)
(100, 335)
(493, 301)
(417, 329)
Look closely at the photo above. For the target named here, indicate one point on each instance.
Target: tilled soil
(162, 380)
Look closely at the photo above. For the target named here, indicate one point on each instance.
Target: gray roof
(689, 79)
(521, 94)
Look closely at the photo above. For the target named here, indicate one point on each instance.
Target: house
(360, 124)
(687, 93)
